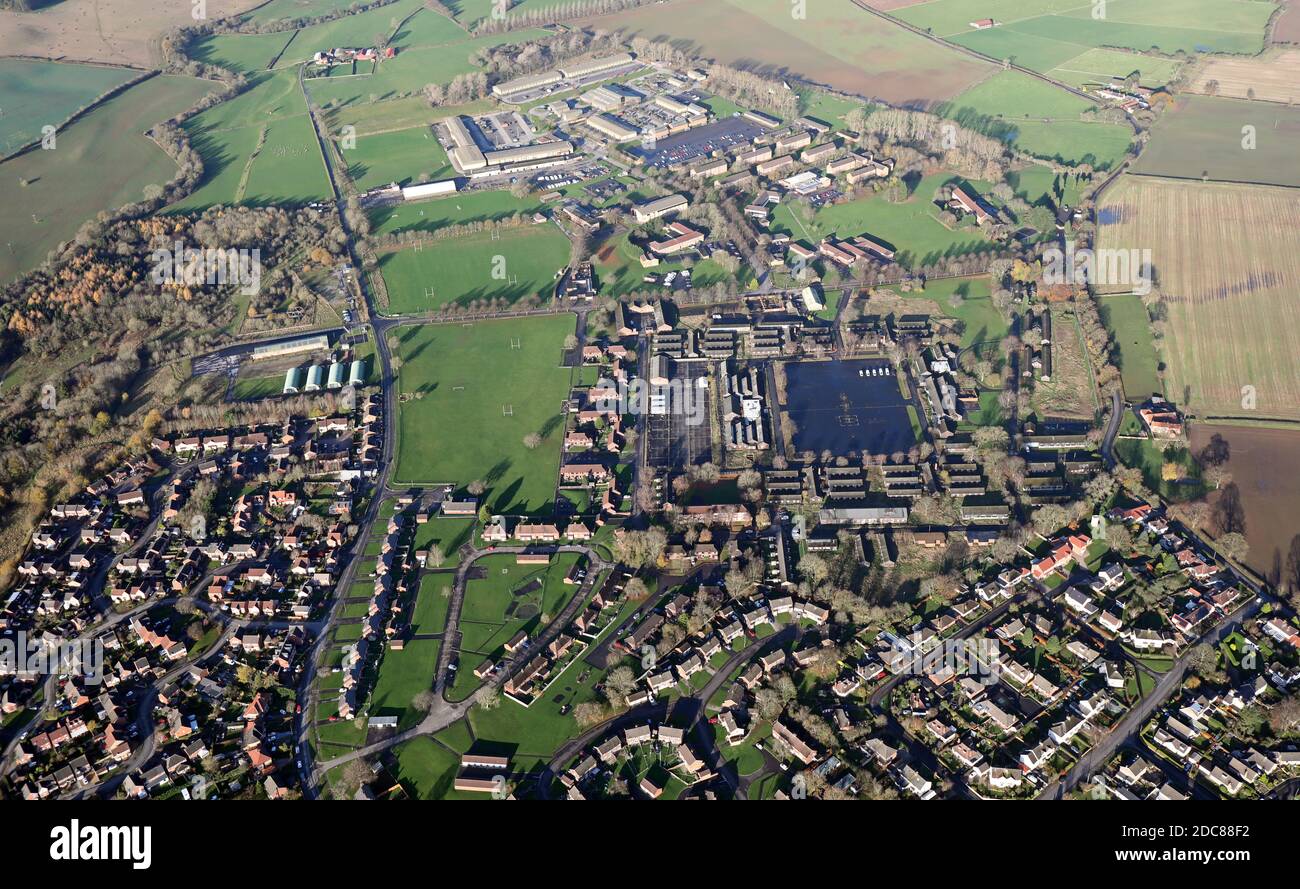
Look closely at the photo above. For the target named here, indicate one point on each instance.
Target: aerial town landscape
(650, 399)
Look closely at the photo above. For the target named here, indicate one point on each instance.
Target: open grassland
(258, 148)
(1039, 118)
(121, 32)
(402, 156)
(1270, 498)
(964, 300)
(1227, 259)
(912, 227)
(1202, 136)
(1035, 31)
(371, 119)
(837, 44)
(463, 270)
(247, 53)
(456, 384)
(1126, 319)
(101, 162)
(429, 216)
(287, 10)
(1105, 65)
(38, 94)
(1273, 77)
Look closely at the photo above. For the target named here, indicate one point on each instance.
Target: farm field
(1271, 499)
(287, 10)
(377, 118)
(912, 227)
(120, 32)
(1202, 136)
(1227, 259)
(455, 381)
(471, 206)
(102, 162)
(1126, 318)
(1103, 65)
(838, 45)
(247, 53)
(1045, 120)
(460, 270)
(1064, 25)
(411, 69)
(39, 93)
(258, 148)
(1273, 77)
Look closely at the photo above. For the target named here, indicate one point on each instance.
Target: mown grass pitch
(521, 262)
(454, 382)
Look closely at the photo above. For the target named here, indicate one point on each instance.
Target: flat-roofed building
(651, 210)
(608, 125)
(571, 70)
(526, 84)
(527, 153)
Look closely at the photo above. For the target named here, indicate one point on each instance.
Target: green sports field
(38, 94)
(468, 398)
(405, 157)
(463, 270)
(102, 161)
(429, 216)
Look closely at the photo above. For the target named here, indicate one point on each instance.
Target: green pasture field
(101, 162)
(288, 10)
(375, 118)
(39, 93)
(1039, 118)
(981, 322)
(912, 227)
(429, 216)
(1205, 136)
(455, 381)
(1235, 26)
(289, 169)
(362, 29)
(1126, 318)
(460, 270)
(246, 53)
(1104, 65)
(404, 156)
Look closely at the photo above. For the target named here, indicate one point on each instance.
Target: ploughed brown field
(1263, 466)
(838, 45)
(1287, 27)
(123, 32)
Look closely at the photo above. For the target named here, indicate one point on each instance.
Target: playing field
(1126, 318)
(38, 94)
(404, 156)
(1227, 258)
(468, 399)
(836, 44)
(521, 262)
(1041, 119)
(1202, 136)
(429, 216)
(101, 162)
(1036, 32)
(912, 227)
